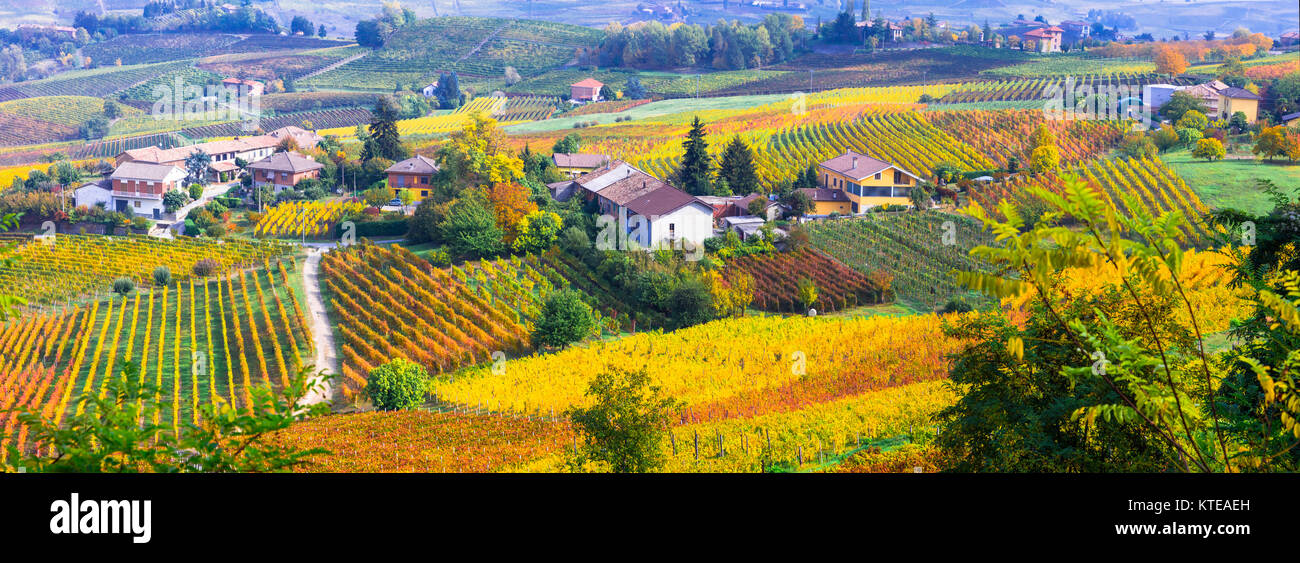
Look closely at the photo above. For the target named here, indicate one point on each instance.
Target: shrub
(206, 267)
(396, 385)
(196, 191)
(565, 319)
(162, 276)
(123, 286)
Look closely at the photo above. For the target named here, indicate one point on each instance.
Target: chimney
(855, 162)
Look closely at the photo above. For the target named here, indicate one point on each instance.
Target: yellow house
(867, 182)
(826, 201)
(1234, 100)
(577, 164)
(1221, 100)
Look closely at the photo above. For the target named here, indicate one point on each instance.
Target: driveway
(212, 191)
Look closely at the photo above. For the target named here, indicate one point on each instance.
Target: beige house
(866, 182)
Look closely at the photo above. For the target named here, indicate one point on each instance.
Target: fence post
(697, 445)
(672, 439)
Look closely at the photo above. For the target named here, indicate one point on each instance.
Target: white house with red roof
(587, 90)
(650, 212)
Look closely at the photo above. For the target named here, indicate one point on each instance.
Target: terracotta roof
(414, 165)
(286, 162)
(305, 139)
(157, 155)
(1044, 33)
(579, 160)
(859, 166)
(144, 171)
(589, 83)
(825, 194)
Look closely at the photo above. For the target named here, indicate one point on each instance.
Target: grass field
(1232, 183)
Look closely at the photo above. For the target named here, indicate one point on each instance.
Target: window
(424, 180)
(898, 178)
(877, 175)
(137, 204)
(424, 193)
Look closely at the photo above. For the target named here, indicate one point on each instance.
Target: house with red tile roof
(587, 90)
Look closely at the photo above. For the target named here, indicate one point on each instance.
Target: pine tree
(696, 172)
(737, 167)
(384, 141)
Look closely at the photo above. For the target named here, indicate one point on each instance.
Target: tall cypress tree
(385, 141)
(738, 167)
(696, 172)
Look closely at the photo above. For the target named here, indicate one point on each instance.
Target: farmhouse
(306, 140)
(139, 187)
(577, 164)
(1047, 39)
(1291, 119)
(248, 149)
(430, 90)
(651, 211)
(736, 206)
(1221, 100)
(895, 30)
(415, 174)
(587, 90)
(284, 170)
(865, 182)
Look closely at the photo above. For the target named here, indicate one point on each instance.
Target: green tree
(564, 319)
(175, 199)
(470, 229)
(384, 140)
(1193, 119)
(624, 428)
(570, 143)
(695, 174)
(195, 191)
(538, 231)
(196, 166)
(162, 276)
(123, 286)
(115, 432)
(1154, 381)
(1180, 103)
(1209, 149)
(397, 385)
(806, 293)
(737, 167)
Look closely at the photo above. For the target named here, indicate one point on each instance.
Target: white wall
(693, 222)
(146, 208)
(91, 196)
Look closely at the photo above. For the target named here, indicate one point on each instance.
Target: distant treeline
(725, 45)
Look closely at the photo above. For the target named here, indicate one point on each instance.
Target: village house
(1045, 39)
(1080, 29)
(827, 201)
(651, 211)
(1291, 119)
(587, 90)
(138, 188)
(895, 30)
(415, 174)
(865, 182)
(577, 164)
(736, 206)
(1222, 101)
(283, 170)
(430, 90)
(306, 140)
(224, 154)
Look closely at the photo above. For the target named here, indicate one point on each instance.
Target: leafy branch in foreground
(1162, 384)
(115, 433)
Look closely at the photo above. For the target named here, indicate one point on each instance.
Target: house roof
(144, 171)
(1290, 116)
(414, 165)
(626, 186)
(305, 139)
(1044, 32)
(602, 177)
(825, 194)
(579, 160)
(859, 166)
(286, 162)
(589, 83)
(157, 155)
(1239, 93)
